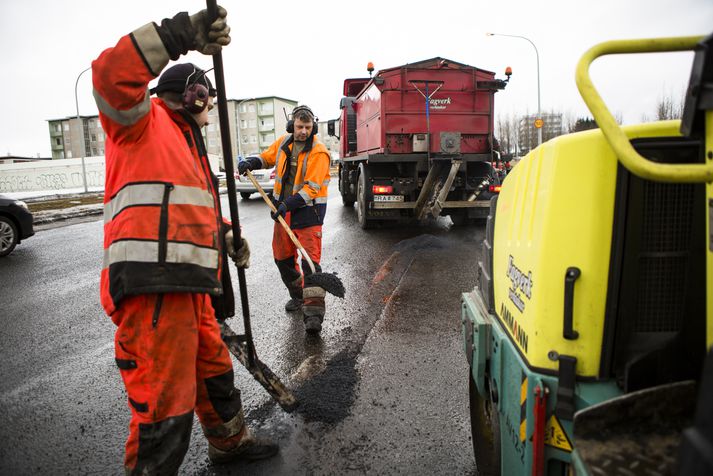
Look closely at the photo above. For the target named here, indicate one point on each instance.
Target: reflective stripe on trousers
(287, 259)
(173, 362)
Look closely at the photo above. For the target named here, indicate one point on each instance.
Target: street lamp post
(537, 55)
(81, 128)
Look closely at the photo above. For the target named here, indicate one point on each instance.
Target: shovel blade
(259, 370)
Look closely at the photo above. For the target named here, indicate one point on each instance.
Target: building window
(252, 123)
(266, 108)
(94, 137)
(244, 139)
(267, 137)
(69, 154)
(243, 107)
(66, 126)
(58, 127)
(243, 124)
(253, 139)
(61, 154)
(251, 107)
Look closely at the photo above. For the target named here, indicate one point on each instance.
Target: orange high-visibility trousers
(287, 257)
(173, 362)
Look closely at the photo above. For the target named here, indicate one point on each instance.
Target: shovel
(327, 281)
(242, 346)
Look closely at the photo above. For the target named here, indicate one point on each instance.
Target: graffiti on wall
(17, 181)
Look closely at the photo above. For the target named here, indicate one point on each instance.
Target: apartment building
(527, 132)
(331, 142)
(255, 123)
(66, 137)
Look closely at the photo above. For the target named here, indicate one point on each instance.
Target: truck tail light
(495, 188)
(382, 189)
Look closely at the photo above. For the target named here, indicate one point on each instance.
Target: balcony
(267, 128)
(265, 111)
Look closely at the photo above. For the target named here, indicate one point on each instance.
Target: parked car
(15, 224)
(265, 177)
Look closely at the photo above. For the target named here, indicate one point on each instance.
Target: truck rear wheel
(485, 431)
(362, 199)
(347, 197)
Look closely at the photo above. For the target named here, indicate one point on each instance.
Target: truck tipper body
(417, 141)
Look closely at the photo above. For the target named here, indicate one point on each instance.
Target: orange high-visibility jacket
(162, 221)
(308, 202)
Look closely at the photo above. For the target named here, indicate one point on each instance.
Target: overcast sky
(303, 50)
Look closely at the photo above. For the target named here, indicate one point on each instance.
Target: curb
(41, 218)
(51, 216)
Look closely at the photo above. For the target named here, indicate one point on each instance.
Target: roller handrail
(616, 137)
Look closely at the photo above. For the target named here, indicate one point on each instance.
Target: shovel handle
(281, 220)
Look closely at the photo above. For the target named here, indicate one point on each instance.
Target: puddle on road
(326, 389)
(421, 242)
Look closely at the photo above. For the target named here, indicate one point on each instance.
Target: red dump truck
(416, 141)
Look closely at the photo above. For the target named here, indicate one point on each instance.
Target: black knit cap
(177, 77)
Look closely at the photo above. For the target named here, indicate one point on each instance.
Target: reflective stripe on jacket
(162, 223)
(308, 202)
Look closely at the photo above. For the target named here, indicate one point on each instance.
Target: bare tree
(669, 107)
(507, 133)
(569, 119)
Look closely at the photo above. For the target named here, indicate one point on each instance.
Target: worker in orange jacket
(301, 179)
(164, 278)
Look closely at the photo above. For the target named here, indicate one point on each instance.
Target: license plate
(388, 198)
(258, 176)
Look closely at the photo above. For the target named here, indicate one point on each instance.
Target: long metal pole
(537, 55)
(81, 128)
(230, 182)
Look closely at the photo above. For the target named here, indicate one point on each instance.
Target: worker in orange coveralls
(302, 176)
(165, 277)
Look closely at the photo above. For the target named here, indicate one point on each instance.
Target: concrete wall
(51, 175)
(58, 175)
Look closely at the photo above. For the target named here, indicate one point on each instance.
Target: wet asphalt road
(383, 390)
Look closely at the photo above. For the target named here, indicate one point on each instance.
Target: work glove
(251, 163)
(209, 39)
(275, 202)
(280, 212)
(241, 256)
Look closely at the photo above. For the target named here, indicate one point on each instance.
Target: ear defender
(195, 95)
(291, 122)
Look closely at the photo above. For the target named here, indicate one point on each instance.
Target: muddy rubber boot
(313, 309)
(313, 324)
(293, 305)
(250, 448)
(295, 290)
